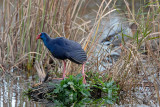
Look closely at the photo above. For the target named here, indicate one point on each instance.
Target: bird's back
(68, 44)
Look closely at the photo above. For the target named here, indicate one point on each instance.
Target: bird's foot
(84, 80)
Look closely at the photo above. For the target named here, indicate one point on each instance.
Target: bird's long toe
(84, 80)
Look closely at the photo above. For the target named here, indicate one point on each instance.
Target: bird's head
(42, 36)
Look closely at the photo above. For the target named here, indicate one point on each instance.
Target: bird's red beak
(38, 37)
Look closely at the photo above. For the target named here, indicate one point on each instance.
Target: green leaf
(65, 85)
(107, 101)
(85, 93)
(109, 84)
(56, 91)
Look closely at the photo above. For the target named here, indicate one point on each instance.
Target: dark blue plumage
(62, 48)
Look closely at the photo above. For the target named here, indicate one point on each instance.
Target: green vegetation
(108, 88)
(72, 91)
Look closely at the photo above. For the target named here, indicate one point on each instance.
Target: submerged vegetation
(136, 70)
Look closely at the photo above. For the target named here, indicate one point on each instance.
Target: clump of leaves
(106, 86)
(71, 90)
(109, 90)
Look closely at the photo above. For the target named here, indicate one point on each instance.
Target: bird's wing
(77, 56)
(71, 44)
(68, 44)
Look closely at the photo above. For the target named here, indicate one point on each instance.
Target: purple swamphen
(62, 48)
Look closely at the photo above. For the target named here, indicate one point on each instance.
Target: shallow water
(12, 88)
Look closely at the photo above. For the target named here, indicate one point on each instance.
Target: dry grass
(23, 20)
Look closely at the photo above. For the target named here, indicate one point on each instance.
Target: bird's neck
(46, 41)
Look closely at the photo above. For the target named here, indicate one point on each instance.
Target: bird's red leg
(83, 74)
(64, 69)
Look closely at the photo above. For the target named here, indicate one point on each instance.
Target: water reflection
(12, 87)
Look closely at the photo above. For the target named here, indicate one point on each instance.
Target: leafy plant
(110, 91)
(71, 90)
(106, 86)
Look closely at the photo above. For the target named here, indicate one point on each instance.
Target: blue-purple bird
(62, 48)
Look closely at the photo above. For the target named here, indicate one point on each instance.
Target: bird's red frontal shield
(38, 37)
